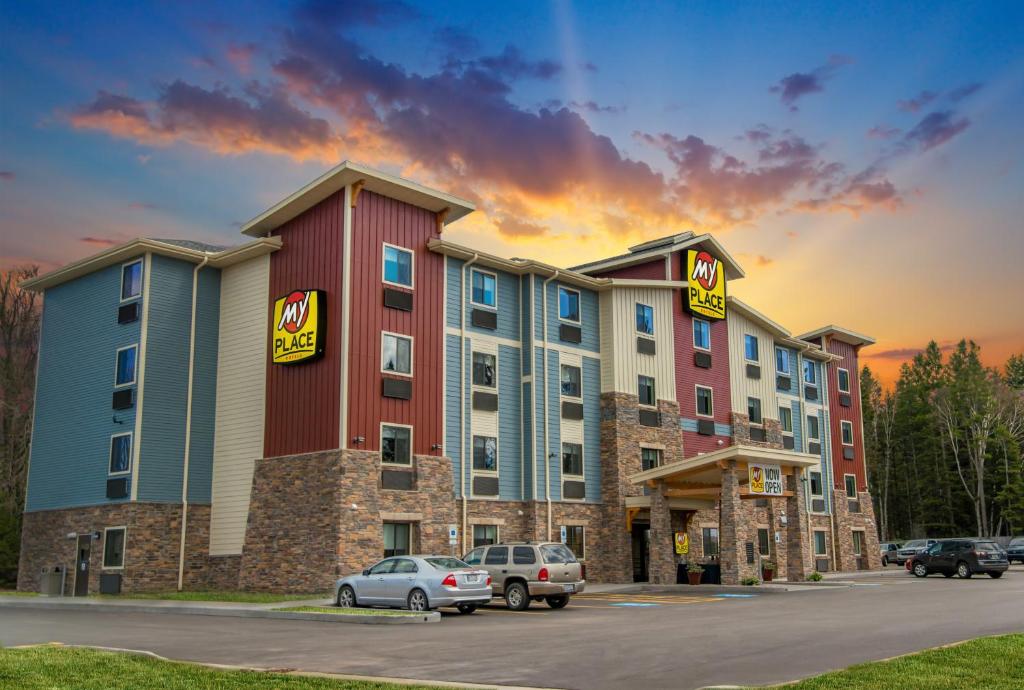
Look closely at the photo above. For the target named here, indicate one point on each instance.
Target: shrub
(815, 577)
(694, 568)
(750, 581)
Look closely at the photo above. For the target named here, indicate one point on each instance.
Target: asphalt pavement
(677, 639)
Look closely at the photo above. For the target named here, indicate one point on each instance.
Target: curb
(431, 617)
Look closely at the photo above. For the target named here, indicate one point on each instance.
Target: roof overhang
(779, 332)
(707, 468)
(142, 245)
(642, 253)
(372, 180)
(839, 333)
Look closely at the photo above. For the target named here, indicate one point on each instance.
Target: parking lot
(677, 639)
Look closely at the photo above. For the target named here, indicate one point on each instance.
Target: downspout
(462, 398)
(188, 422)
(544, 336)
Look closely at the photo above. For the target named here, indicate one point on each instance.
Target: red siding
(652, 270)
(688, 375)
(304, 400)
(375, 220)
(837, 413)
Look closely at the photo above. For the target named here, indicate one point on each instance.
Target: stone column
(662, 566)
(872, 548)
(732, 556)
(798, 552)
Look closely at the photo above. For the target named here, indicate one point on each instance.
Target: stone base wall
(822, 523)
(846, 523)
(152, 542)
(741, 432)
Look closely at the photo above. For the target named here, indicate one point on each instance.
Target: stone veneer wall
(741, 432)
(822, 523)
(846, 522)
(152, 540)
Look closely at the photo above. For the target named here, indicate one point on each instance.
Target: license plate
(472, 579)
(568, 588)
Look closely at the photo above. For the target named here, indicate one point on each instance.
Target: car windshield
(914, 544)
(556, 553)
(446, 563)
(1017, 541)
(986, 546)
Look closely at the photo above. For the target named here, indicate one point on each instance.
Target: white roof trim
(839, 333)
(747, 453)
(685, 240)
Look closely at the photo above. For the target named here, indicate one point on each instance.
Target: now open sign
(766, 480)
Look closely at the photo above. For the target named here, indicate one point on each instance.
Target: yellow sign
(297, 330)
(682, 543)
(705, 292)
(765, 480)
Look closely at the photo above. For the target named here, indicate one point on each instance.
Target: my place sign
(765, 480)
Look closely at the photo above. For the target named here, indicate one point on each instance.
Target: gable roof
(839, 333)
(646, 251)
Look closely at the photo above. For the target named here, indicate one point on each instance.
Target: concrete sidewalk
(775, 587)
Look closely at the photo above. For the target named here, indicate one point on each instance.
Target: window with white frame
(858, 542)
(847, 432)
(568, 305)
(485, 288)
(701, 334)
(398, 265)
(650, 458)
(709, 541)
(485, 454)
(113, 547)
(396, 354)
(812, 428)
(120, 454)
(754, 410)
(844, 381)
(575, 540)
(131, 280)
(763, 542)
(705, 402)
(395, 445)
(750, 348)
(572, 459)
(484, 535)
(782, 360)
(484, 365)
(786, 419)
(570, 375)
(820, 543)
(851, 485)
(810, 376)
(124, 373)
(644, 319)
(645, 392)
(817, 488)
(397, 539)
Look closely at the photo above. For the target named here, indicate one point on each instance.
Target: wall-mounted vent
(706, 427)
(854, 506)
(127, 313)
(397, 299)
(485, 486)
(753, 371)
(650, 418)
(484, 318)
(821, 565)
(783, 382)
(397, 388)
(485, 402)
(574, 490)
(570, 334)
(818, 505)
(645, 346)
(844, 399)
(397, 480)
(848, 453)
(811, 392)
(572, 410)
(758, 434)
(123, 399)
(702, 360)
(117, 488)
(814, 448)
(787, 442)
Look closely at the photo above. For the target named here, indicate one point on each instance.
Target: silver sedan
(419, 583)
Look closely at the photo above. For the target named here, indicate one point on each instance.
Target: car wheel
(466, 609)
(920, 570)
(516, 597)
(995, 575)
(417, 601)
(557, 602)
(347, 597)
(963, 570)
(885, 561)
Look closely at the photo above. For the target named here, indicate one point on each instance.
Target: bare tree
(885, 418)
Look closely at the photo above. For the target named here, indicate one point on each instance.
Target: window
(568, 305)
(485, 454)
(570, 381)
(483, 535)
(113, 547)
(763, 542)
(496, 555)
(701, 334)
(650, 458)
(121, 454)
(750, 348)
(483, 369)
(404, 566)
(124, 375)
(812, 427)
(644, 319)
(556, 554)
(575, 541)
(844, 381)
(396, 445)
(384, 567)
(396, 354)
(847, 432)
(851, 485)
(645, 391)
(523, 555)
(485, 287)
(809, 374)
(572, 459)
(819, 543)
(858, 543)
(816, 487)
(705, 402)
(782, 361)
(754, 410)
(709, 538)
(396, 539)
(786, 420)
(397, 266)
(476, 555)
(131, 280)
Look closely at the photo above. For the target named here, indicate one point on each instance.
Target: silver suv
(526, 571)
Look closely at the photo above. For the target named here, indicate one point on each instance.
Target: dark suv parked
(962, 557)
(1015, 550)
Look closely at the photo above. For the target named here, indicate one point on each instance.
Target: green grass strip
(16, 593)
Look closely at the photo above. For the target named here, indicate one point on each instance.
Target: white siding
(620, 362)
(241, 391)
(740, 385)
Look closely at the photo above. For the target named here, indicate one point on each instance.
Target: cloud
(904, 353)
(759, 260)
(457, 41)
(346, 13)
(795, 86)
(241, 56)
(959, 94)
(7, 175)
(100, 241)
(143, 206)
(883, 132)
(592, 107)
(792, 234)
(514, 227)
(935, 129)
(915, 104)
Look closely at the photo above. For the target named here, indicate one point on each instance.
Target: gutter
(188, 422)
(462, 394)
(547, 458)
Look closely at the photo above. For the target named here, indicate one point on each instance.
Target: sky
(864, 162)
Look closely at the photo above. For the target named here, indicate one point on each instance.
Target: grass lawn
(350, 612)
(241, 597)
(52, 668)
(16, 593)
(994, 663)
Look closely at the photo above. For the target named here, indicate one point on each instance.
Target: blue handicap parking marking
(736, 596)
(634, 603)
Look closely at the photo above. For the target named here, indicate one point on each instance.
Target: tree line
(944, 446)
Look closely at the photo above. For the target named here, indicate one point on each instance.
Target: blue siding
(798, 426)
(527, 434)
(589, 316)
(538, 413)
(509, 431)
(554, 427)
(453, 416)
(508, 301)
(688, 424)
(526, 308)
(826, 457)
(204, 386)
(73, 416)
(453, 267)
(795, 374)
(592, 427)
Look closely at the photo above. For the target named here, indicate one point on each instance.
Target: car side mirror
(366, 572)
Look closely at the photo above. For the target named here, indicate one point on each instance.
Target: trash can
(51, 582)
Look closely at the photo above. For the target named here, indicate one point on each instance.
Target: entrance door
(641, 550)
(82, 565)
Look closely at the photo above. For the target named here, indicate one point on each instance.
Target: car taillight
(543, 575)
(449, 581)
(488, 580)
(583, 572)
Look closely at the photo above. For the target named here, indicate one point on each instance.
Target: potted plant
(767, 570)
(693, 573)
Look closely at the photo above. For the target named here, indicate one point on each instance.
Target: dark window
(398, 266)
(485, 453)
(819, 543)
(858, 543)
(786, 419)
(810, 376)
(701, 334)
(781, 360)
(763, 542)
(496, 555)
(484, 288)
(705, 404)
(645, 391)
(523, 555)
(754, 410)
(570, 381)
(568, 304)
(113, 548)
(131, 280)
(396, 538)
(125, 373)
(851, 486)
(396, 445)
(644, 319)
(709, 536)
(750, 350)
(484, 535)
(816, 487)
(847, 429)
(483, 370)
(121, 454)
(650, 458)
(396, 354)
(844, 381)
(575, 541)
(572, 459)
(812, 427)
(476, 555)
